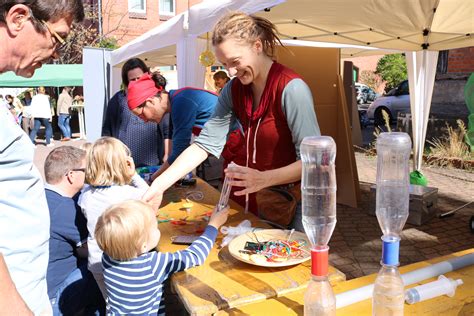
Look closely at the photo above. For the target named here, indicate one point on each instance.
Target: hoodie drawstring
(247, 165)
(254, 156)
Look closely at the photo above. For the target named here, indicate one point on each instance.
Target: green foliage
(392, 69)
(108, 42)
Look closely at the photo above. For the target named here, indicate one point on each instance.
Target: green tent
(47, 76)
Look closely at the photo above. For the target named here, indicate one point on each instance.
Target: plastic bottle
(318, 155)
(443, 286)
(388, 297)
(319, 298)
(392, 197)
(318, 188)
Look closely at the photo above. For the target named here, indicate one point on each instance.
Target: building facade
(127, 19)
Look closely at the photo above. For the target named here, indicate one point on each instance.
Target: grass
(451, 150)
(448, 151)
(371, 150)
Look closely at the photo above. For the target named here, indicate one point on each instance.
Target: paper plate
(264, 235)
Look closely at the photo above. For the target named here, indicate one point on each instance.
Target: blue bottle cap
(390, 250)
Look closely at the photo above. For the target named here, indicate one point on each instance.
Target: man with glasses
(31, 32)
(71, 287)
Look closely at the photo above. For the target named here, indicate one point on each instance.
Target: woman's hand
(252, 180)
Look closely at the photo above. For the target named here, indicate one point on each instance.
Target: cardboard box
(423, 204)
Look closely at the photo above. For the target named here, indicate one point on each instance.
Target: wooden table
(223, 282)
(461, 304)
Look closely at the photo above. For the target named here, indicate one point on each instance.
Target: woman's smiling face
(240, 59)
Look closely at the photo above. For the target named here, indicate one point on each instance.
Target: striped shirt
(136, 286)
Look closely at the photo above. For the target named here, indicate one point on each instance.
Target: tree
(85, 34)
(371, 79)
(392, 69)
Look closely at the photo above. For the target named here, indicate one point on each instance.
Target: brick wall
(126, 26)
(367, 63)
(461, 60)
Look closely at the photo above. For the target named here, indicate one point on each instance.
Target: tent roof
(161, 37)
(408, 25)
(47, 76)
(405, 25)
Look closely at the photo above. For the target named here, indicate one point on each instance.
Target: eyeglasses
(76, 169)
(58, 39)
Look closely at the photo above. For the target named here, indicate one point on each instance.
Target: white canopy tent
(419, 27)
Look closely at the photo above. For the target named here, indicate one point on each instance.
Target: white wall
(96, 94)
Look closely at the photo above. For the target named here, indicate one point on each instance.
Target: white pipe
(432, 271)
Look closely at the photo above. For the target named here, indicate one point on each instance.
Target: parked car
(364, 93)
(395, 101)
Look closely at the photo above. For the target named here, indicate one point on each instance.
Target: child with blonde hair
(134, 276)
(111, 176)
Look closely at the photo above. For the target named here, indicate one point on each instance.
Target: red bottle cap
(319, 260)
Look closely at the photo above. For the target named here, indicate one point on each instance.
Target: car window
(404, 88)
(391, 92)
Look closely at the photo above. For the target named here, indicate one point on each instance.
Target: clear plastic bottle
(319, 298)
(392, 198)
(388, 297)
(318, 188)
(393, 153)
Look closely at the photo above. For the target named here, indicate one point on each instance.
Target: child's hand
(219, 218)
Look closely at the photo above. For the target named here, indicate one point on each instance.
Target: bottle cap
(319, 260)
(390, 250)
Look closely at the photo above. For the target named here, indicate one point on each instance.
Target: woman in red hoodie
(271, 102)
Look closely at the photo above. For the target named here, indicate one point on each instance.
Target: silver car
(364, 93)
(395, 101)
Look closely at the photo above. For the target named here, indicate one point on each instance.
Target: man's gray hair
(60, 161)
(46, 10)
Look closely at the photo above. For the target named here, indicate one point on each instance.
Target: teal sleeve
(298, 106)
(214, 133)
(183, 116)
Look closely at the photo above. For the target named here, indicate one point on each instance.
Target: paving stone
(427, 251)
(343, 261)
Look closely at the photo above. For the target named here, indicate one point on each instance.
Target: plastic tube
(225, 191)
(432, 271)
(442, 286)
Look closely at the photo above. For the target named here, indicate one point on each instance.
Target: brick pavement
(356, 246)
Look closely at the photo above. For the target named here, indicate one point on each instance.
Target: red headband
(140, 90)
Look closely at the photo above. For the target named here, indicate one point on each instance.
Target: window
(167, 7)
(404, 88)
(137, 6)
